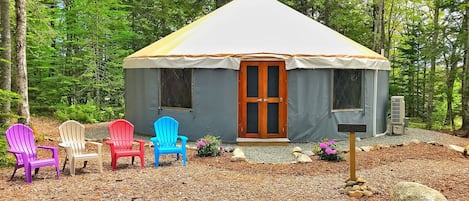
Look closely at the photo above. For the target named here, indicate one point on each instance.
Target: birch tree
(22, 79)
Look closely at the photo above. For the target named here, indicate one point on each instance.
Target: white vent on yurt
(397, 110)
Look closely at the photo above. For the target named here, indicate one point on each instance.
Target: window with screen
(347, 88)
(176, 88)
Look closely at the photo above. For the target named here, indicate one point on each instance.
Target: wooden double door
(262, 104)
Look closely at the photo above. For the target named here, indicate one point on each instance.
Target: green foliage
(437, 125)
(155, 19)
(350, 18)
(328, 150)
(6, 158)
(88, 113)
(209, 146)
(11, 97)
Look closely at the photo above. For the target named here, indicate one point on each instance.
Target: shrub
(209, 146)
(6, 159)
(88, 113)
(13, 98)
(328, 150)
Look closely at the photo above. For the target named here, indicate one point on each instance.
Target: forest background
(63, 58)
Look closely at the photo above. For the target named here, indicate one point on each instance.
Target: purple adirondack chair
(20, 138)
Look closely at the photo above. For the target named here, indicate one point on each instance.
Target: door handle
(259, 100)
(281, 99)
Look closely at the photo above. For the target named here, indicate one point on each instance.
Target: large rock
(456, 148)
(303, 158)
(297, 150)
(238, 155)
(411, 191)
(466, 151)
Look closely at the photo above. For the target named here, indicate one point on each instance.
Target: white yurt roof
(252, 30)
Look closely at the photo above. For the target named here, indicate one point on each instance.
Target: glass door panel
(272, 81)
(253, 81)
(272, 118)
(252, 118)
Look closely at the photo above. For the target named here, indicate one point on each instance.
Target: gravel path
(282, 154)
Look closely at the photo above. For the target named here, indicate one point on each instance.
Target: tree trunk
(451, 62)
(22, 79)
(424, 87)
(326, 14)
(6, 55)
(465, 81)
(220, 3)
(376, 26)
(382, 40)
(390, 29)
(433, 55)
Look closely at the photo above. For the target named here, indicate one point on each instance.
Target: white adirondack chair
(73, 140)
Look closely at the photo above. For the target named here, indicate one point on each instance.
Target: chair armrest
(64, 145)
(67, 148)
(99, 145)
(96, 143)
(155, 141)
(15, 152)
(141, 142)
(55, 150)
(23, 155)
(111, 145)
(47, 147)
(183, 138)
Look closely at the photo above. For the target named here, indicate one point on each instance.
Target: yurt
(257, 70)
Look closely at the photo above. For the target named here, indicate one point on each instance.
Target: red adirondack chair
(20, 138)
(122, 137)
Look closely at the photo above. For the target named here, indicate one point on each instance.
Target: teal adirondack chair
(165, 141)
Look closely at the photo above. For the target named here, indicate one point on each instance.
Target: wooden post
(353, 175)
(352, 128)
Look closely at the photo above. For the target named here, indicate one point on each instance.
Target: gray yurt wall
(310, 118)
(214, 103)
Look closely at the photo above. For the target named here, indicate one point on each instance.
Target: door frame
(282, 100)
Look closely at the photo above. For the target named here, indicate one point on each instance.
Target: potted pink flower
(209, 146)
(329, 150)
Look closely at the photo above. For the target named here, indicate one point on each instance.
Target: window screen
(347, 89)
(176, 90)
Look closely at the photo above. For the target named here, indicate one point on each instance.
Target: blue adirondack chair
(165, 141)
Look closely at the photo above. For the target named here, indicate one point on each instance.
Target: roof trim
(233, 62)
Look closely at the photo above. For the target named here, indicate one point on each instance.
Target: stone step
(263, 142)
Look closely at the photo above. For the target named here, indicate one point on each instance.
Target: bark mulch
(217, 178)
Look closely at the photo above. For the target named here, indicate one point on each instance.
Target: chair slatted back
(73, 133)
(166, 130)
(21, 138)
(122, 133)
